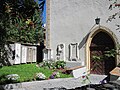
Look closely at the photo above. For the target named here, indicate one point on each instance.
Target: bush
(53, 64)
(60, 64)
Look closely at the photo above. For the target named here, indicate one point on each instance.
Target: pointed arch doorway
(100, 64)
(99, 41)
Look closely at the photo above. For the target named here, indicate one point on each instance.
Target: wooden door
(99, 64)
(96, 63)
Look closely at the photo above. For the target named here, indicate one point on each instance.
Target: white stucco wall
(72, 20)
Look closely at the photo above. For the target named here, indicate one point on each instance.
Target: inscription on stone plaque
(73, 53)
(24, 54)
(17, 53)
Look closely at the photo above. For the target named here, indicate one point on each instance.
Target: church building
(81, 32)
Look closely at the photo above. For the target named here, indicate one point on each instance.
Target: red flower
(83, 76)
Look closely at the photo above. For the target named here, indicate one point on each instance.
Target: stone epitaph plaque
(17, 53)
(24, 54)
(45, 54)
(60, 55)
(73, 52)
(34, 54)
(31, 54)
(49, 54)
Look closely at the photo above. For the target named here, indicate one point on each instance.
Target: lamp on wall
(97, 20)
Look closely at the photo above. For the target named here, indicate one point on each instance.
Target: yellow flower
(28, 21)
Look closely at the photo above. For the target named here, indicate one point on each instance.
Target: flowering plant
(13, 77)
(40, 76)
(55, 75)
(86, 79)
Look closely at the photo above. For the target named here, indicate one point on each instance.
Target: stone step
(72, 64)
(18, 89)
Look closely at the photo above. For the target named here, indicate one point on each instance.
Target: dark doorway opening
(40, 52)
(99, 64)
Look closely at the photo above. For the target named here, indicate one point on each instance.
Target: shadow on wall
(3, 52)
(82, 43)
(4, 55)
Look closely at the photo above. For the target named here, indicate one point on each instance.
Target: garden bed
(26, 73)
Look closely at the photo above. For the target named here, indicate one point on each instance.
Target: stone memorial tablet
(17, 53)
(24, 54)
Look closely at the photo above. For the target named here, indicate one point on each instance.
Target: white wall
(71, 21)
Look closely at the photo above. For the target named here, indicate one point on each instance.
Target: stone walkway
(68, 83)
(43, 85)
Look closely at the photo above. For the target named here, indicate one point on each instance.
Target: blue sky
(44, 13)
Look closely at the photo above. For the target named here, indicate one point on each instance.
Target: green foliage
(107, 54)
(113, 52)
(110, 53)
(26, 31)
(49, 64)
(97, 58)
(21, 21)
(60, 64)
(53, 64)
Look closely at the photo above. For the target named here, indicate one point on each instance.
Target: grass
(26, 72)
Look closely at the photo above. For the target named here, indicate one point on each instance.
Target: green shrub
(53, 64)
(60, 64)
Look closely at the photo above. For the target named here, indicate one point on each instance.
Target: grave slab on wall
(17, 53)
(23, 54)
(31, 54)
(47, 54)
(34, 54)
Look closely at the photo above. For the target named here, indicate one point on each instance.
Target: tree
(23, 22)
(115, 4)
(20, 21)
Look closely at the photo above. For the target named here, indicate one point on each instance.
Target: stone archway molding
(92, 33)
